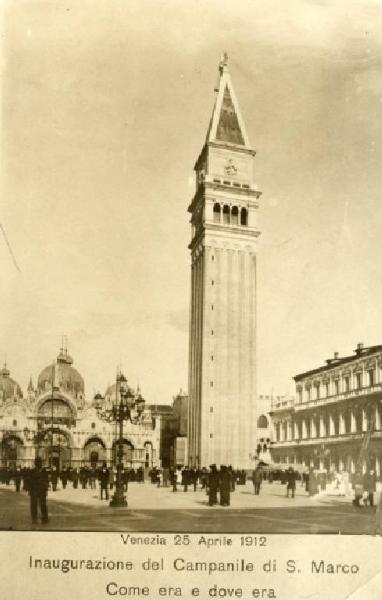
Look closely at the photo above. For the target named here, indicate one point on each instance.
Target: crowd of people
(218, 484)
(79, 477)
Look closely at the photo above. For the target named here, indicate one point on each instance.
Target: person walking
(257, 478)
(38, 489)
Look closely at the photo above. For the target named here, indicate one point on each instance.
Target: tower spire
(226, 124)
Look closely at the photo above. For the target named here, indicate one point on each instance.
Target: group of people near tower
(217, 483)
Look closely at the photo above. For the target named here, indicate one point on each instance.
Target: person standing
(38, 489)
(64, 477)
(54, 478)
(257, 478)
(17, 478)
(312, 483)
(178, 478)
(358, 488)
(104, 479)
(213, 486)
(204, 478)
(369, 486)
(225, 485)
(166, 476)
(75, 477)
(291, 482)
(185, 478)
(92, 477)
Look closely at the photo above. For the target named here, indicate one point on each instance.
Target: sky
(105, 107)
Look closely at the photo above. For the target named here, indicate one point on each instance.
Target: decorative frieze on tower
(222, 346)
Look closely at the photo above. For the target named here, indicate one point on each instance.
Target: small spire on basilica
(30, 385)
(5, 372)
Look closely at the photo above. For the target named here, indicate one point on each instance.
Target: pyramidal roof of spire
(226, 125)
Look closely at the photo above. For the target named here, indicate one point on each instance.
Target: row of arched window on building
(230, 215)
(344, 422)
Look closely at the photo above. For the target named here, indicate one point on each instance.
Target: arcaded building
(336, 405)
(54, 420)
(222, 348)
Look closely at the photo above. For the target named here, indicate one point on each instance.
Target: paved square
(160, 509)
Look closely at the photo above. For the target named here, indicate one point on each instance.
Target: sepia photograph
(191, 267)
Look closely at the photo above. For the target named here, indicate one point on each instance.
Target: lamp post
(127, 407)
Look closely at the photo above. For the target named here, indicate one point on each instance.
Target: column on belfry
(304, 429)
(282, 432)
(290, 430)
(296, 434)
(377, 466)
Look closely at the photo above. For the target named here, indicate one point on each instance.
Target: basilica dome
(110, 395)
(62, 376)
(9, 388)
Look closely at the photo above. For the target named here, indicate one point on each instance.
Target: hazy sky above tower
(105, 109)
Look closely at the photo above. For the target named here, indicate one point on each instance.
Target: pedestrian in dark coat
(257, 478)
(38, 489)
(185, 479)
(225, 485)
(64, 477)
(17, 478)
(369, 486)
(166, 476)
(104, 478)
(358, 488)
(213, 486)
(75, 477)
(232, 477)
(204, 478)
(291, 481)
(54, 478)
(193, 478)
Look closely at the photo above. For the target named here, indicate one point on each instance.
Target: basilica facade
(55, 421)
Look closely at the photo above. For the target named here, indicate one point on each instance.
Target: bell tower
(222, 342)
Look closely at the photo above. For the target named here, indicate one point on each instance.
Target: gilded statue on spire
(223, 64)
